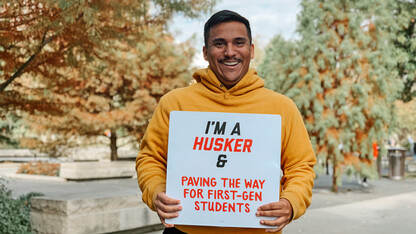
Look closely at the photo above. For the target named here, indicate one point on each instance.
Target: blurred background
(79, 79)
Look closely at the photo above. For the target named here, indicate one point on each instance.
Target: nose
(229, 50)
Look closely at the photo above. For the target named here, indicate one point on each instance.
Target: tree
(28, 26)
(80, 67)
(405, 43)
(341, 74)
(8, 128)
(120, 94)
(406, 123)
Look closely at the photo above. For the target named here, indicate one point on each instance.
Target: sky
(267, 19)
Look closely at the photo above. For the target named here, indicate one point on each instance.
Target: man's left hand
(281, 209)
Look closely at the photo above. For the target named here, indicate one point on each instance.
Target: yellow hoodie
(247, 96)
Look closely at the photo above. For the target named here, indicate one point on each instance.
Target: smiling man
(228, 50)
(229, 85)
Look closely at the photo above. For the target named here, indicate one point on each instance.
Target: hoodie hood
(249, 82)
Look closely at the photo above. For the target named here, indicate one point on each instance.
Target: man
(228, 85)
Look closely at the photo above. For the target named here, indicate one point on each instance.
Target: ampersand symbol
(221, 160)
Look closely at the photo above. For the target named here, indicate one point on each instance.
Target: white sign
(223, 166)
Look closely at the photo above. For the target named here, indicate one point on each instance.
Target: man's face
(229, 52)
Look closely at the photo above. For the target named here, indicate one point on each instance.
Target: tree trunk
(327, 165)
(334, 175)
(113, 146)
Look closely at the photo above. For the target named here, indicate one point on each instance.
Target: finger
(167, 225)
(273, 213)
(274, 222)
(275, 229)
(282, 204)
(166, 203)
(275, 209)
(167, 208)
(167, 215)
(270, 206)
(165, 199)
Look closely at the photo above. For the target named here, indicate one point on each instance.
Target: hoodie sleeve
(152, 158)
(298, 160)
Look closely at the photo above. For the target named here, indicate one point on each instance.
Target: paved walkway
(391, 214)
(386, 206)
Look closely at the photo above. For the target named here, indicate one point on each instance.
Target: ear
(252, 51)
(205, 52)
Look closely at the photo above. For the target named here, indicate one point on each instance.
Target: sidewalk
(386, 206)
(391, 214)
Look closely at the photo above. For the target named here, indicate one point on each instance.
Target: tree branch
(21, 69)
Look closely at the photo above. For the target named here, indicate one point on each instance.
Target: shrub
(14, 213)
(39, 168)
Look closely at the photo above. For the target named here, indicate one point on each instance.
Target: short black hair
(222, 17)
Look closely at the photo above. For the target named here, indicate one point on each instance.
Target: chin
(232, 80)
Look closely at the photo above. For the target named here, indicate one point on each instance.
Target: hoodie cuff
(157, 190)
(294, 202)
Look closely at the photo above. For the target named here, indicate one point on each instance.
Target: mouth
(233, 62)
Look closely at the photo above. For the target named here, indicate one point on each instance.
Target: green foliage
(405, 43)
(406, 125)
(7, 142)
(10, 130)
(342, 76)
(14, 213)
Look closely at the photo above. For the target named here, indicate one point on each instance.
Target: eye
(218, 43)
(240, 42)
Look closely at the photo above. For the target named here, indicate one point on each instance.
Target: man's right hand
(167, 208)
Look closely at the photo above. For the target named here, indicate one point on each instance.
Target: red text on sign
(232, 183)
(199, 181)
(193, 193)
(257, 184)
(223, 144)
(252, 196)
(221, 194)
(222, 206)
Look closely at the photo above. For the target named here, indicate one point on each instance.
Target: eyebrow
(235, 39)
(218, 39)
(240, 39)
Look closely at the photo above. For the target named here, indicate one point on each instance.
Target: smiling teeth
(231, 63)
